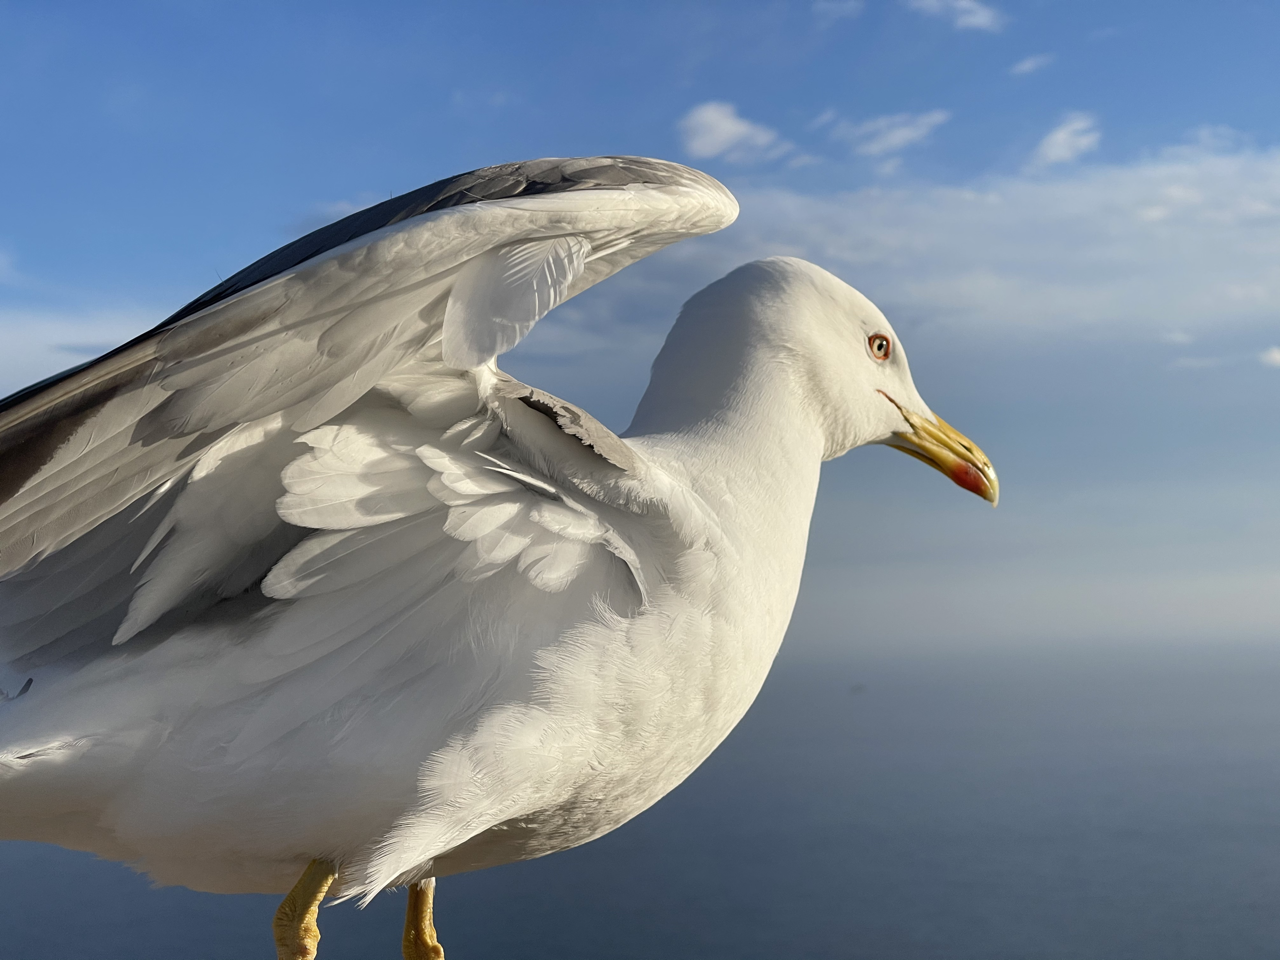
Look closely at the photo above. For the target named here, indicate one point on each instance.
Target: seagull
(299, 592)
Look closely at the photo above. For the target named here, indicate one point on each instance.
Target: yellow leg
(295, 924)
(420, 941)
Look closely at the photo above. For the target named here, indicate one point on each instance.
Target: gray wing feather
(300, 336)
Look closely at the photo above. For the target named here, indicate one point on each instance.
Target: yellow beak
(948, 450)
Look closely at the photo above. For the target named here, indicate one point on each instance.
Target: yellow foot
(295, 924)
(420, 941)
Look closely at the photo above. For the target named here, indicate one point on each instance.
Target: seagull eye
(880, 346)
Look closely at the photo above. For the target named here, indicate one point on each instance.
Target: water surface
(1077, 802)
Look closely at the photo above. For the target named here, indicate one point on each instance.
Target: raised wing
(137, 490)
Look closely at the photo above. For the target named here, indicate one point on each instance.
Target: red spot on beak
(970, 477)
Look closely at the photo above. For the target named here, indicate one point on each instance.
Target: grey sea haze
(1117, 801)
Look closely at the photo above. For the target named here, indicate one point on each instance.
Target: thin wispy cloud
(886, 135)
(324, 213)
(1077, 135)
(1168, 203)
(963, 14)
(1032, 64)
(798, 160)
(827, 12)
(1270, 357)
(8, 272)
(1060, 255)
(821, 120)
(337, 209)
(714, 129)
(39, 343)
(469, 99)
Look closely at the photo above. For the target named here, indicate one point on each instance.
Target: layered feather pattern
(279, 572)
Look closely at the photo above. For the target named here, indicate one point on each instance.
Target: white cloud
(323, 214)
(337, 209)
(480, 99)
(885, 135)
(1220, 139)
(714, 129)
(38, 344)
(822, 119)
(828, 12)
(1270, 356)
(1031, 64)
(963, 14)
(1068, 252)
(1077, 135)
(802, 160)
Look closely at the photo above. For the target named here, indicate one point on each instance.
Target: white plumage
(304, 575)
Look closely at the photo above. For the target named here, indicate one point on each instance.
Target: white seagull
(299, 584)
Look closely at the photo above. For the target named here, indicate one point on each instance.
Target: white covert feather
(220, 521)
(502, 293)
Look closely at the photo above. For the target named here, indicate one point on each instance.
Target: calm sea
(1090, 802)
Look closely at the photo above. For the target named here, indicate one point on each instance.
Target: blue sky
(1069, 210)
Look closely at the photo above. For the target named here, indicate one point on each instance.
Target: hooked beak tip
(966, 475)
(948, 451)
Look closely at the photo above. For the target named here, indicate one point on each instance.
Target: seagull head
(783, 321)
(856, 369)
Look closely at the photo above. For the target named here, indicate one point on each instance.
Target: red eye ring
(880, 346)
